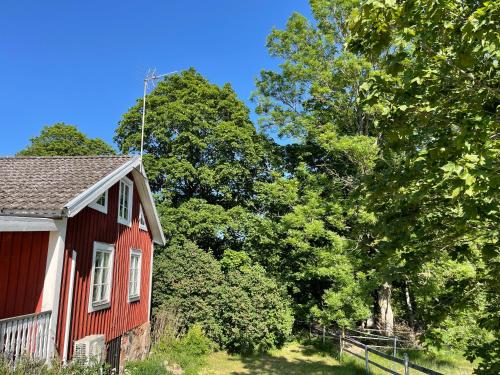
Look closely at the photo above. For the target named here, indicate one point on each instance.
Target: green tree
(65, 140)
(436, 97)
(199, 141)
(203, 156)
(313, 99)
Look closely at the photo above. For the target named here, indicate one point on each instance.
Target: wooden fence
(350, 343)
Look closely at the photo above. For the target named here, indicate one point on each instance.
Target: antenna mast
(152, 77)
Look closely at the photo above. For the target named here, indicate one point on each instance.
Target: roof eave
(149, 206)
(82, 200)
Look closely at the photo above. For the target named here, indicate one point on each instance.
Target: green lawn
(295, 359)
(448, 363)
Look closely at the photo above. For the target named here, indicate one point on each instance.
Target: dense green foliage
(65, 140)
(205, 158)
(238, 306)
(310, 207)
(436, 97)
(199, 141)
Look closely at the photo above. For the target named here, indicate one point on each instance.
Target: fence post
(407, 368)
(341, 342)
(366, 360)
(395, 346)
(323, 335)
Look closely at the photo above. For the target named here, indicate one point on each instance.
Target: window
(101, 203)
(142, 219)
(125, 202)
(101, 278)
(134, 281)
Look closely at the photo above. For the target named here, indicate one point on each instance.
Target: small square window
(101, 278)
(142, 219)
(134, 281)
(101, 203)
(125, 202)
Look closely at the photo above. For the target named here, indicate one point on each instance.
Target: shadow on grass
(431, 359)
(280, 365)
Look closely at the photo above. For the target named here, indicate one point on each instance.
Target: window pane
(97, 262)
(105, 262)
(101, 200)
(105, 293)
(98, 276)
(94, 293)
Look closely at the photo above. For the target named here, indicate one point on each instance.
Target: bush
(185, 280)
(149, 366)
(188, 351)
(239, 307)
(254, 312)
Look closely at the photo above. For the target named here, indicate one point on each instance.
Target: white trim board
(88, 196)
(141, 184)
(52, 281)
(27, 224)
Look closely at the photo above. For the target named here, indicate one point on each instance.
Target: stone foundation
(135, 344)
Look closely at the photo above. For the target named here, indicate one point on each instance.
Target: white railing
(25, 336)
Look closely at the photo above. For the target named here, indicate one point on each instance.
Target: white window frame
(126, 221)
(99, 207)
(135, 253)
(110, 249)
(142, 226)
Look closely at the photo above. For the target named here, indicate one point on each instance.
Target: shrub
(188, 351)
(186, 280)
(149, 366)
(254, 312)
(238, 307)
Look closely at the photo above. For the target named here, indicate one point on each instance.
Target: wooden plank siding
(88, 226)
(23, 258)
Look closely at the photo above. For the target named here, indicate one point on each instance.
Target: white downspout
(151, 280)
(69, 310)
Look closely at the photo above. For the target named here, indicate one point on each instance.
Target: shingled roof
(43, 186)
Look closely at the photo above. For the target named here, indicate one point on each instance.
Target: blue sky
(83, 62)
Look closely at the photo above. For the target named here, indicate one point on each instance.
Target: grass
(293, 359)
(448, 363)
(306, 358)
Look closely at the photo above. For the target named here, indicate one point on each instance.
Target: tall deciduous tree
(313, 99)
(65, 140)
(199, 141)
(436, 98)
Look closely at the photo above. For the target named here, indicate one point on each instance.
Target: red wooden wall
(23, 258)
(86, 227)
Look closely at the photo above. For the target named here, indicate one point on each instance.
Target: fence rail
(348, 338)
(25, 336)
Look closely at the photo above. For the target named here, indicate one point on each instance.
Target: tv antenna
(151, 77)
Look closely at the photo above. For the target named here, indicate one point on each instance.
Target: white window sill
(99, 208)
(124, 222)
(100, 306)
(132, 299)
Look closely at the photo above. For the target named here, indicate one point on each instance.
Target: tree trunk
(386, 319)
(409, 306)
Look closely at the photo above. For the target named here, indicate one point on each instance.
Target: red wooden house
(76, 250)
